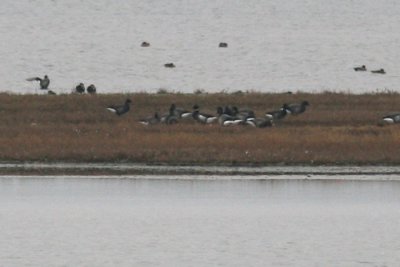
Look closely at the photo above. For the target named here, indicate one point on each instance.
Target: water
(154, 222)
(274, 46)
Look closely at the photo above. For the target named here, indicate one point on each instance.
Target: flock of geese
(364, 68)
(45, 82)
(225, 116)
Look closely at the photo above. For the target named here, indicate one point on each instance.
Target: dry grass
(336, 129)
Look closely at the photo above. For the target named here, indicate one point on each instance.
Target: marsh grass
(337, 128)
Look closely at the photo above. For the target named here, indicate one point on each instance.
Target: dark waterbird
(296, 108)
(80, 88)
(223, 45)
(155, 119)
(362, 68)
(44, 83)
(380, 71)
(91, 89)
(169, 65)
(277, 114)
(203, 118)
(119, 110)
(180, 112)
(392, 118)
(145, 44)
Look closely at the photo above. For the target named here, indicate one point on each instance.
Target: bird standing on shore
(393, 118)
(44, 83)
(277, 114)
(296, 108)
(119, 110)
(80, 88)
(155, 119)
(91, 89)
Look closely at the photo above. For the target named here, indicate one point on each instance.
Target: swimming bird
(119, 110)
(277, 114)
(203, 118)
(80, 88)
(44, 83)
(169, 65)
(145, 44)
(380, 71)
(296, 108)
(155, 119)
(91, 89)
(224, 45)
(362, 68)
(393, 118)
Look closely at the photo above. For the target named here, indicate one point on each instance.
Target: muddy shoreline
(90, 169)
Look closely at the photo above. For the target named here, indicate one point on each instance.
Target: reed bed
(337, 128)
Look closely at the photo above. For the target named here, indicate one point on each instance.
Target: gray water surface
(273, 46)
(61, 221)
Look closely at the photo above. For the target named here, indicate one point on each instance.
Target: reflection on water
(149, 222)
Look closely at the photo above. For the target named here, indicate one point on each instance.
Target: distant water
(146, 222)
(273, 45)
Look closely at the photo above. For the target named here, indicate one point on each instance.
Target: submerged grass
(337, 128)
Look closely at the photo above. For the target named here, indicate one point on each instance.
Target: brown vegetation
(337, 128)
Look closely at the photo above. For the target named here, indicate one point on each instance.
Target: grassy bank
(336, 129)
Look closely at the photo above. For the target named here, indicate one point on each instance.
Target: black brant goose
(224, 45)
(44, 83)
(145, 44)
(119, 110)
(80, 88)
(277, 114)
(169, 65)
(203, 118)
(362, 68)
(393, 118)
(296, 108)
(91, 89)
(180, 112)
(155, 119)
(380, 71)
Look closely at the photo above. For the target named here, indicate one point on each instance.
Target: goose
(145, 44)
(223, 118)
(50, 92)
(224, 45)
(362, 68)
(277, 114)
(169, 65)
(260, 122)
(80, 88)
(155, 119)
(119, 110)
(203, 118)
(393, 118)
(179, 112)
(380, 71)
(44, 83)
(296, 108)
(91, 89)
